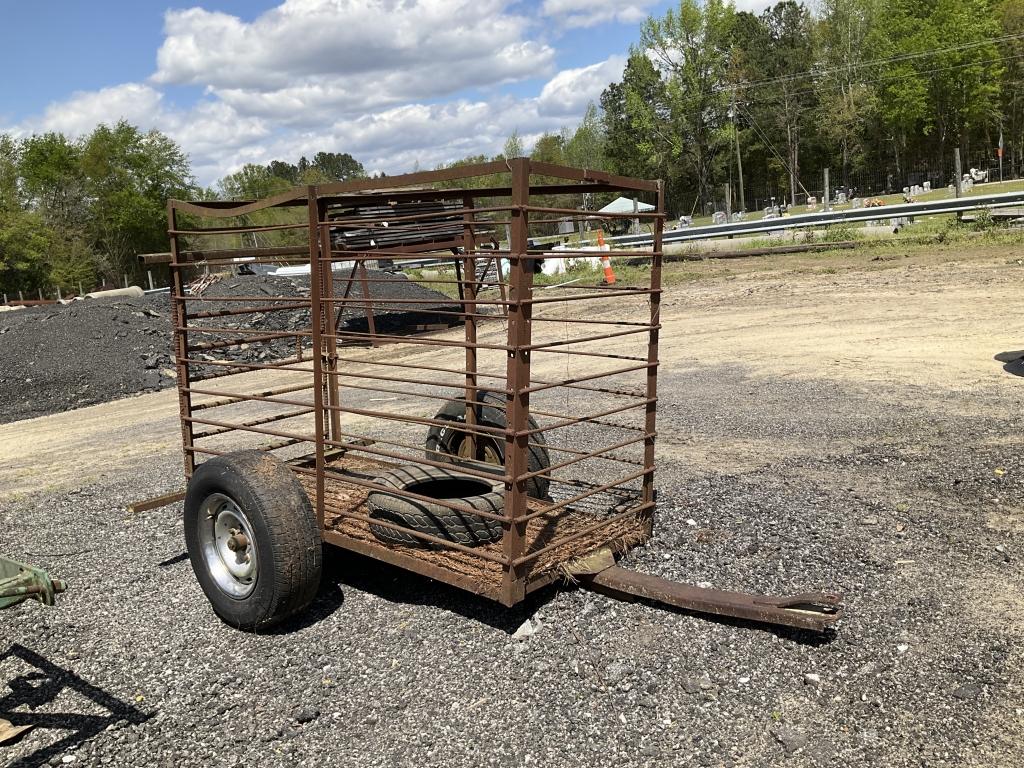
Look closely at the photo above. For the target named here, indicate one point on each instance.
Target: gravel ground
(56, 358)
(898, 496)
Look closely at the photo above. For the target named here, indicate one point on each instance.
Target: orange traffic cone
(606, 262)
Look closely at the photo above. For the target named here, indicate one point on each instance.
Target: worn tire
(435, 519)
(445, 443)
(285, 538)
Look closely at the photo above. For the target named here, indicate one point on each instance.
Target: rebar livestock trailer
(485, 421)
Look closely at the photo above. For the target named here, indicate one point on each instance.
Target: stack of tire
(449, 443)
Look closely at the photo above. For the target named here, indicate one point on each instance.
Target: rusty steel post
(371, 324)
(180, 315)
(317, 315)
(327, 294)
(652, 360)
(517, 379)
(468, 291)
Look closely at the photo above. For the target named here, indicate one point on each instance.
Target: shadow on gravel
(41, 684)
(328, 599)
(1014, 362)
(398, 585)
(182, 558)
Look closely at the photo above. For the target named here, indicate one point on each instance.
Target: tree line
(880, 91)
(75, 213)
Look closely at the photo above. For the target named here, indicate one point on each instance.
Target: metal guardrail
(901, 210)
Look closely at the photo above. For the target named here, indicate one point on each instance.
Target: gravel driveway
(903, 496)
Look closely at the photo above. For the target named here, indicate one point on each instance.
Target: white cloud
(210, 131)
(753, 6)
(396, 83)
(348, 55)
(83, 110)
(589, 13)
(569, 92)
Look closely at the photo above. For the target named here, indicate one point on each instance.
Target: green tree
(584, 147)
(636, 122)
(129, 175)
(779, 96)
(253, 182)
(940, 76)
(964, 82)
(52, 179)
(690, 47)
(282, 170)
(549, 148)
(10, 198)
(513, 146)
(1011, 18)
(848, 106)
(72, 263)
(25, 242)
(338, 166)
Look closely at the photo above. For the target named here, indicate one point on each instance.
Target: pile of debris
(60, 357)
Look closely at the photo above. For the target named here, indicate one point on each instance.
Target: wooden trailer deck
(481, 572)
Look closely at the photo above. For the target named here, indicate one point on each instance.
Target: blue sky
(395, 82)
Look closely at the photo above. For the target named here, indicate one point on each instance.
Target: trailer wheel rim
(491, 455)
(228, 545)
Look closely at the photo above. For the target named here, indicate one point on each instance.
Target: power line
(893, 78)
(872, 63)
(771, 146)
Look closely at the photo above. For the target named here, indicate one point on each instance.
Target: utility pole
(728, 203)
(1000, 152)
(958, 180)
(739, 159)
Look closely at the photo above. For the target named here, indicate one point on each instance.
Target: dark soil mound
(55, 358)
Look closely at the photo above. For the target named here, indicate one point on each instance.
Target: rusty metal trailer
(510, 445)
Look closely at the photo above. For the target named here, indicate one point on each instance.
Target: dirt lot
(831, 421)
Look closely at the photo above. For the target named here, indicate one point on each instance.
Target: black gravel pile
(54, 358)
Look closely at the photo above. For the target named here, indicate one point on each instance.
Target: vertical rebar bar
(468, 291)
(517, 377)
(330, 323)
(180, 314)
(652, 358)
(316, 326)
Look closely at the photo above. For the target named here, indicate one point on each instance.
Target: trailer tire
(252, 538)
(449, 443)
(432, 518)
